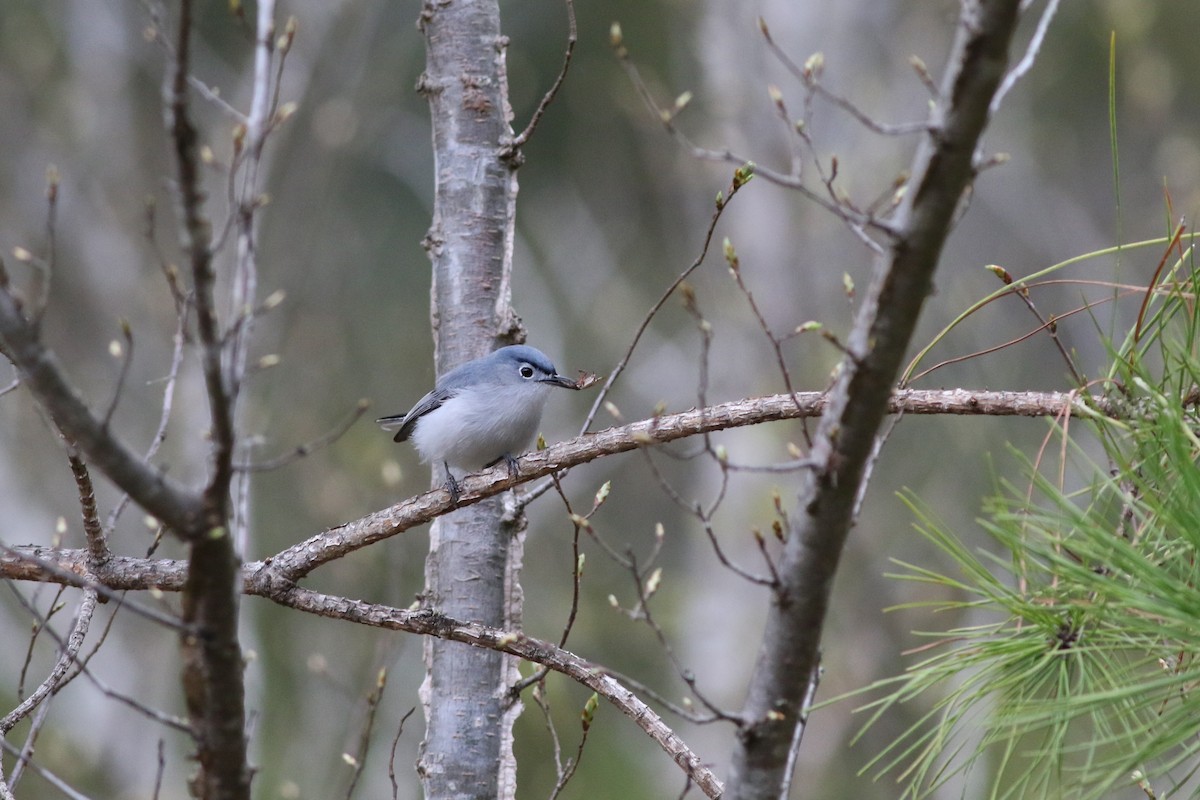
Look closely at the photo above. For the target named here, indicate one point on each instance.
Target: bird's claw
(452, 486)
(513, 468)
(510, 461)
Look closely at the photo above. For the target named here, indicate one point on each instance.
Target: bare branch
(854, 219)
(302, 450)
(126, 355)
(359, 760)
(511, 149)
(178, 508)
(740, 179)
(196, 241)
(48, 776)
(846, 436)
(810, 78)
(392, 756)
(93, 532)
(37, 563)
(79, 629)
(80, 665)
(1026, 63)
(431, 623)
(70, 567)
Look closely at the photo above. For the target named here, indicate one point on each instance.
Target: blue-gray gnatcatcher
(481, 412)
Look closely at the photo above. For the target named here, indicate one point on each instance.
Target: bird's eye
(526, 371)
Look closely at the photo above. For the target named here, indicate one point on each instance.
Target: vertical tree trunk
(467, 750)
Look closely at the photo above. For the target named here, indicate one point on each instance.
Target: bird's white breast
(479, 426)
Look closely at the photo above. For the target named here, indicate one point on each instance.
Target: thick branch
(764, 754)
(292, 564)
(40, 371)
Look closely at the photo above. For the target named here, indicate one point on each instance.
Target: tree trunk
(474, 552)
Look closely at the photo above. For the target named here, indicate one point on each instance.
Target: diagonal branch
(42, 374)
(764, 754)
(37, 563)
(79, 629)
(432, 623)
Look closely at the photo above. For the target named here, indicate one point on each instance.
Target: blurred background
(610, 210)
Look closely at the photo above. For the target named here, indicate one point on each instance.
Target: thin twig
(126, 356)
(515, 643)
(735, 270)
(568, 772)
(161, 767)
(302, 450)
(45, 271)
(519, 141)
(47, 775)
(1027, 61)
(602, 395)
(810, 78)
(686, 675)
(577, 524)
(41, 624)
(164, 417)
(79, 628)
(539, 699)
(374, 698)
(786, 180)
(392, 757)
(35, 728)
(80, 664)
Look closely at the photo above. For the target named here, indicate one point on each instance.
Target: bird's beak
(561, 380)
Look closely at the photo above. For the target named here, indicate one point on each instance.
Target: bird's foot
(514, 469)
(452, 486)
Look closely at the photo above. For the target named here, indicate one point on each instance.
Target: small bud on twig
(1001, 273)
(731, 257)
(743, 174)
(614, 35)
(601, 495)
(813, 67)
(589, 711)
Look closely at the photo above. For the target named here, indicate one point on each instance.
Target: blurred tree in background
(611, 210)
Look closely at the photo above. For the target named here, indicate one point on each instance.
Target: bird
(482, 412)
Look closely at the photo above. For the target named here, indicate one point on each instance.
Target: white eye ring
(526, 371)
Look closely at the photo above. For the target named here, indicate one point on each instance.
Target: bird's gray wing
(407, 422)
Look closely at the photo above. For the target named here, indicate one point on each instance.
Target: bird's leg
(451, 485)
(509, 461)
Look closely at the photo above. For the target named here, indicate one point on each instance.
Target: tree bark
(774, 712)
(467, 750)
